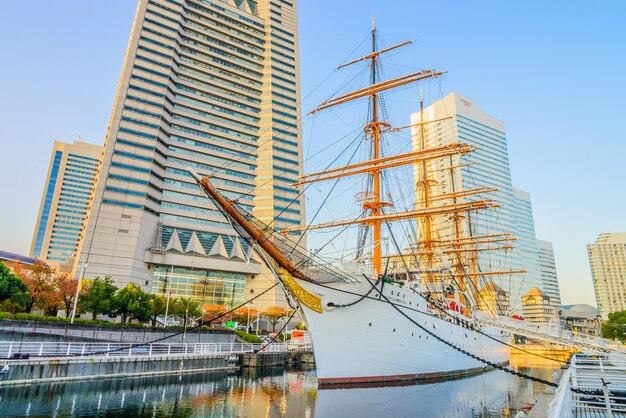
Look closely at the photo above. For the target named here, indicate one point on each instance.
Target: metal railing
(22, 350)
(594, 385)
(586, 343)
(561, 404)
(132, 335)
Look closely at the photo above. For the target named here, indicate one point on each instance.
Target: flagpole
(169, 294)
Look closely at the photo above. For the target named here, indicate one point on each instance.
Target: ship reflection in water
(276, 393)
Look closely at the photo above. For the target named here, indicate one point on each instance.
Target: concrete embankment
(541, 407)
(262, 359)
(20, 372)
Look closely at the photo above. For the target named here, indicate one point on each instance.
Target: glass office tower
(486, 167)
(65, 203)
(212, 85)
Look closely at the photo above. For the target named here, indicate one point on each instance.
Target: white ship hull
(371, 341)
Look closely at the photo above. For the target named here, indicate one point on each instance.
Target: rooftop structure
(537, 307)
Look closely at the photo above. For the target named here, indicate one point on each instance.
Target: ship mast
(375, 205)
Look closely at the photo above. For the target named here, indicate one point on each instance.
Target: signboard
(231, 324)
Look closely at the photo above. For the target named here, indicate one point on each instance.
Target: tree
(186, 308)
(156, 307)
(99, 299)
(132, 303)
(65, 288)
(274, 314)
(241, 315)
(37, 281)
(615, 327)
(14, 294)
(211, 312)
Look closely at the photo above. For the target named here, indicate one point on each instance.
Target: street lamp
(248, 322)
(83, 267)
(205, 282)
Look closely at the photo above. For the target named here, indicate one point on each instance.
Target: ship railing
(16, 350)
(594, 385)
(561, 405)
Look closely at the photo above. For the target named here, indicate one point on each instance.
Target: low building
(493, 299)
(580, 318)
(538, 308)
(12, 260)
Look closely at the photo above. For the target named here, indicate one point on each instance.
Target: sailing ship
(370, 324)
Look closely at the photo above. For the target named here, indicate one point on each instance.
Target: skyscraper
(607, 258)
(65, 203)
(526, 244)
(486, 167)
(547, 265)
(212, 85)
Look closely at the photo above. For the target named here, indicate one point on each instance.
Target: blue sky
(552, 71)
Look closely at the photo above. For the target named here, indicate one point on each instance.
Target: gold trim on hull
(304, 296)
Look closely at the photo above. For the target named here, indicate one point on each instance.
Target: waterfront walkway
(582, 342)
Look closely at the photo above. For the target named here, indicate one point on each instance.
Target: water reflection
(275, 393)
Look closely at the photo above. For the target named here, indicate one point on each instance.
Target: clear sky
(554, 72)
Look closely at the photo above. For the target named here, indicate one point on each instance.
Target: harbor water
(278, 392)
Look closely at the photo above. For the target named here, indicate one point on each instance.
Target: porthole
(434, 326)
(370, 324)
(394, 330)
(410, 303)
(412, 334)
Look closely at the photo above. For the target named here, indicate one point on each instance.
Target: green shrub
(54, 319)
(248, 337)
(6, 315)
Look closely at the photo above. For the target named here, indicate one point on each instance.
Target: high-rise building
(65, 203)
(607, 258)
(461, 120)
(526, 244)
(212, 85)
(547, 265)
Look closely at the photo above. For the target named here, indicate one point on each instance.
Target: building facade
(65, 203)
(547, 266)
(212, 85)
(486, 167)
(607, 258)
(526, 245)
